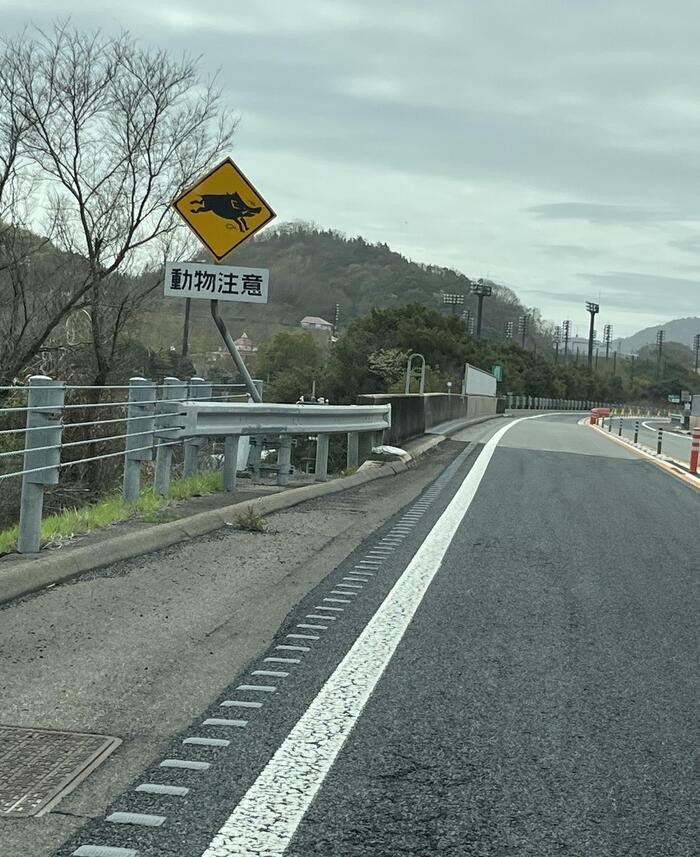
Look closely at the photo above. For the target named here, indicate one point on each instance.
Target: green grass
(113, 509)
(251, 521)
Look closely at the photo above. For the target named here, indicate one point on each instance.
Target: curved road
(505, 666)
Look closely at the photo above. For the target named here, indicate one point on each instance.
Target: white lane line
(273, 673)
(104, 851)
(316, 616)
(239, 703)
(186, 764)
(281, 661)
(222, 721)
(357, 579)
(294, 648)
(259, 688)
(268, 815)
(340, 592)
(208, 742)
(308, 627)
(301, 637)
(337, 601)
(160, 789)
(323, 607)
(136, 818)
(349, 586)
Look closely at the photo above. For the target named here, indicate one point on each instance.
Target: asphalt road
(674, 445)
(504, 665)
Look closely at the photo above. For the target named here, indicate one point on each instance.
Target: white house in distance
(246, 348)
(313, 322)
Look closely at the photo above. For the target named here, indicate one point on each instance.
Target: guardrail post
(166, 419)
(353, 455)
(48, 395)
(141, 396)
(321, 469)
(284, 459)
(231, 444)
(255, 454)
(659, 441)
(198, 389)
(636, 431)
(619, 428)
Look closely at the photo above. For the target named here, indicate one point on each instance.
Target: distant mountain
(679, 330)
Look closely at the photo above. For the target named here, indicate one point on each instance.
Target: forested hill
(312, 270)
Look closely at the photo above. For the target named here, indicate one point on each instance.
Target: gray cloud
(545, 149)
(600, 213)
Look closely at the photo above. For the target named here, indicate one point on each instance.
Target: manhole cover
(38, 766)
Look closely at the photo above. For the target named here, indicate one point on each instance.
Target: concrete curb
(448, 429)
(36, 573)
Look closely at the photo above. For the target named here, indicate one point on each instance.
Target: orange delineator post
(695, 450)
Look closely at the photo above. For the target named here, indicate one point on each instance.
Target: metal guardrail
(543, 403)
(215, 418)
(73, 426)
(143, 420)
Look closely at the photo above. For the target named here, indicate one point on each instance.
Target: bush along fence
(83, 428)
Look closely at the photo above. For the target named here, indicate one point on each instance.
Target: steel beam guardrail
(217, 419)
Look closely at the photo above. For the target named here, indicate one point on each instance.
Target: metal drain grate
(39, 766)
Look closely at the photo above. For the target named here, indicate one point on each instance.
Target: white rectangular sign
(216, 282)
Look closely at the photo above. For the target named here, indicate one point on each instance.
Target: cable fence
(78, 441)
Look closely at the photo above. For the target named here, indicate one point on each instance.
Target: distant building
(313, 322)
(246, 348)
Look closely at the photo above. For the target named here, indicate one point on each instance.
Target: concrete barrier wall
(412, 415)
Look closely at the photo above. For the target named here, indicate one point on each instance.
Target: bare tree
(116, 132)
(38, 287)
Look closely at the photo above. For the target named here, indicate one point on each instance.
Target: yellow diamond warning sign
(223, 209)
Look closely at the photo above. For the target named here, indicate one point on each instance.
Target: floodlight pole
(592, 309)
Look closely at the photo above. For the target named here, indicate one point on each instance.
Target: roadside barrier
(75, 427)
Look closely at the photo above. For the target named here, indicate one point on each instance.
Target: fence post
(230, 462)
(198, 389)
(141, 407)
(284, 459)
(659, 441)
(47, 395)
(166, 421)
(636, 431)
(353, 455)
(619, 428)
(321, 470)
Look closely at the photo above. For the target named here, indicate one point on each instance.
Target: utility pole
(593, 309)
(481, 290)
(556, 343)
(660, 337)
(607, 337)
(615, 365)
(566, 327)
(696, 349)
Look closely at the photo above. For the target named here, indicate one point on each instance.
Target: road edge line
(687, 478)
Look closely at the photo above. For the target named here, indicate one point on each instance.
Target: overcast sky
(552, 146)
